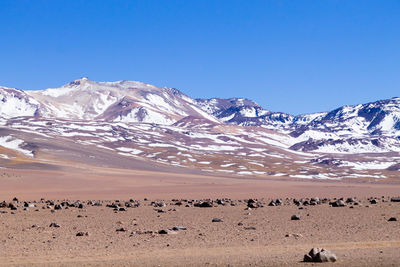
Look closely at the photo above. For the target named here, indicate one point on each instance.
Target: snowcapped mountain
(15, 103)
(140, 121)
(124, 101)
(243, 112)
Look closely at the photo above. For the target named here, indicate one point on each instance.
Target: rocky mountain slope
(84, 99)
(118, 123)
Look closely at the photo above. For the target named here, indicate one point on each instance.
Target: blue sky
(290, 56)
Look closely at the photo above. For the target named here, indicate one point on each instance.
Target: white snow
(14, 144)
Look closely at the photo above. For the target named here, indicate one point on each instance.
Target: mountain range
(138, 122)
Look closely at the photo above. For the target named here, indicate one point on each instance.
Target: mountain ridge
(371, 127)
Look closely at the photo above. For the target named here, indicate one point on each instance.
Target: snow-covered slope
(372, 127)
(111, 123)
(15, 103)
(124, 101)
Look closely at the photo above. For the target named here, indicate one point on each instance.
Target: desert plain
(155, 218)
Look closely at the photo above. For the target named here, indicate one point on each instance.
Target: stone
(178, 228)
(294, 235)
(338, 203)
(373, 201)
(53, 224)
(82, 234)
(392, 219)
(325, 256)
(395, 199)
(295, 218)
(319, 255)
(205, 204)
(217, 220)
(12, 206)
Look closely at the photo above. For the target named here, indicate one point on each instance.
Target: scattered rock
(320, 255)
(294, 235)
(82, 234)
(12, 206)
(338, 203)
(204, 204)
(178, 228)
(373, 201)
(295, 218)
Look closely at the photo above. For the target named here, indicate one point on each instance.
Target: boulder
(338, 203)
(319, 255)
(295, 217)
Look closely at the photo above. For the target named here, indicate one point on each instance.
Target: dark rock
(163, 232)
(159, 204)
(12, 206)
(204, 204)
(295, 218)
(392, 219)
(53, 224)
(82, 234)
(338, 203)
(221, 202)
(395, 199)
(373, 201)
(178, 228)
(319, 255)
(217, 220)
(121, 230)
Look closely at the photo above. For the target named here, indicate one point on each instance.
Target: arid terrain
(128, 173)
(360, 235)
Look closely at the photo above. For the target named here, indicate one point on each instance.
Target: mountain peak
(79, 81)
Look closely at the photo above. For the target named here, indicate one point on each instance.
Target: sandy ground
(360, 236)
(105, 183)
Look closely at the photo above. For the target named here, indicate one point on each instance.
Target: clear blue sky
(291, 56)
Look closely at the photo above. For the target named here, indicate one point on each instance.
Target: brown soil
(361, 236)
